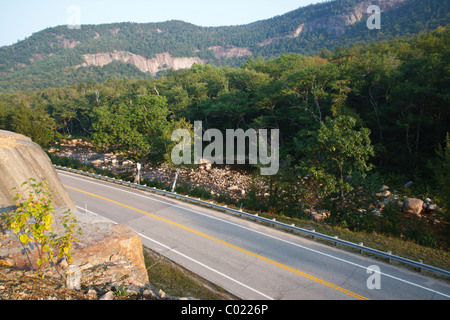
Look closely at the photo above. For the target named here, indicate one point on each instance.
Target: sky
(21, 18)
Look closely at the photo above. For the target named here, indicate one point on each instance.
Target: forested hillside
(388, 101)
(54, 57)
(356, 108)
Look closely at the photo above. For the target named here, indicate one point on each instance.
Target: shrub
(33, 221)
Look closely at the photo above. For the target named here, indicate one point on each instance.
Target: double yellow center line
(275, 263)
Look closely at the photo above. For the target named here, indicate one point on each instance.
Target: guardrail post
(389, 259)
(313, 237)
(362, 245)
(335, 243)
(292, 225)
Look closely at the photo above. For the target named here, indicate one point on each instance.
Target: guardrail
(360, 247)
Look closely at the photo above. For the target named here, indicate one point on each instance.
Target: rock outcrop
(161, 62)
(21, 159)
(230, 52)
(116, 250)
(336, 24)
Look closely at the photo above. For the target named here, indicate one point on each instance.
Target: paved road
(252, 261)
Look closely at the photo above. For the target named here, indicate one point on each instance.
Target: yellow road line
(275, 263)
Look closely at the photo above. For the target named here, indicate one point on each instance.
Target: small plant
(65, 241)
(120, 292)
(33, 222)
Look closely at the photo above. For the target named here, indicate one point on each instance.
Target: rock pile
(219, 180)
(412, 206)
(16, 284)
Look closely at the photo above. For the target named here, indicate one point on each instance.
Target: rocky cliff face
(230, 52)
(336, 24)
(162, 61)
(106, 252)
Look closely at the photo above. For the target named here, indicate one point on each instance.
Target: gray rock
(107, 296)
(429, 206)
(385, 193)
(408, 184)
(73, 280)
(149, 293)
(413, 206)
(92, 293)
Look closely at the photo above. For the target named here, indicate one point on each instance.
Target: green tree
(33, 123)
(441, 175)
(335, 152)
(33, 223)
(137, 129)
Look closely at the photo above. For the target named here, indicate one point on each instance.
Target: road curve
(252, 261)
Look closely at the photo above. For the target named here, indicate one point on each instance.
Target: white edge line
(259, 232)
(189, 258)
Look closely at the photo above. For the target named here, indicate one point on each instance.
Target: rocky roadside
(220, 180)
(18, 284)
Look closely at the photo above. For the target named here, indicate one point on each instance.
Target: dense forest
(47, 58)
(350, 120)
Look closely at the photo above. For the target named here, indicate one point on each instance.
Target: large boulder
(413, 206)
(115, 249)
(21, 159)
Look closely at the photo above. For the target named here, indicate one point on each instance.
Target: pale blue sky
(21, 18)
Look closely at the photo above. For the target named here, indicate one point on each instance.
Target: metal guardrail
(388, 255)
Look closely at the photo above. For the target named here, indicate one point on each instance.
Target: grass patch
(177, 281)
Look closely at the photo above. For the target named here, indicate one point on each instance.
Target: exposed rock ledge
(230, 52)
(336, 24)
(162, 61)
(115, 250)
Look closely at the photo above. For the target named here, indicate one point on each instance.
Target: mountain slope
(62, 56)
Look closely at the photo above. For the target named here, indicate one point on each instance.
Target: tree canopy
(382, 106)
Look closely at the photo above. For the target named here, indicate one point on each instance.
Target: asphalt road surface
(252, 261)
